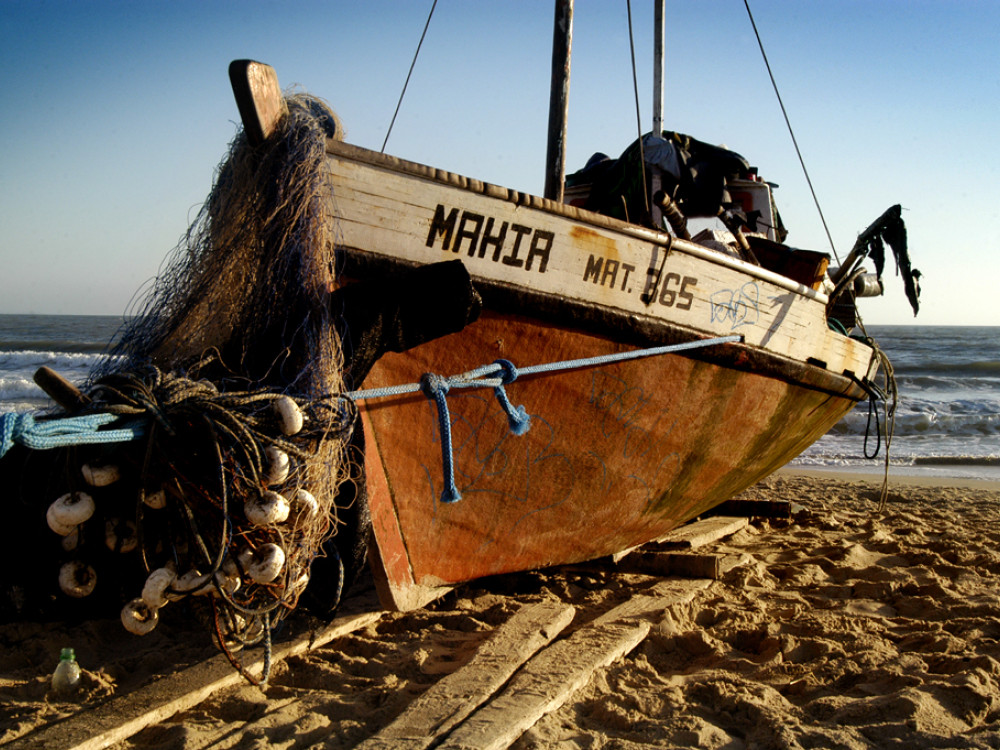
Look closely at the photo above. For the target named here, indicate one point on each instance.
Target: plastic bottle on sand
(67, 675)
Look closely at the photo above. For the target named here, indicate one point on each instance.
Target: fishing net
(233, 364)
(251, 280)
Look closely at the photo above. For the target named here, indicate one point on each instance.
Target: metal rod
(562, 42)
(672, 212)
(659, 67)
(659, 71)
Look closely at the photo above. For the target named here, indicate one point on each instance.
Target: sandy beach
(840, 628)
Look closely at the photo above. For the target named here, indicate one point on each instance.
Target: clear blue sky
(114, 115)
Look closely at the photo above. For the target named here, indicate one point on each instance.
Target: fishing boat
(619, 380)
(352, 354)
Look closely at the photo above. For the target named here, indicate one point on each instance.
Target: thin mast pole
(659, 67)
(562, 42)
(659, 70)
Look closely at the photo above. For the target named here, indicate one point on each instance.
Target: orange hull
(616, 456)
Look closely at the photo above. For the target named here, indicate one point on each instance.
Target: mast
(562, 42)
(659, 63)
(659, 68)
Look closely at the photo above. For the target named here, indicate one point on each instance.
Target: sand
(842, 629)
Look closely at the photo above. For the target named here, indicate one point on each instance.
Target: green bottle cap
(67, 654)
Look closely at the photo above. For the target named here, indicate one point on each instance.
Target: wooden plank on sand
(703, 532)
(454, 697)
(545, 683)
(120, 718)
(661, 597)
(755, 508)
(691, 535)
(687, 564)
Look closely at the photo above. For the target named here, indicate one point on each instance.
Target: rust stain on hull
(588, 240)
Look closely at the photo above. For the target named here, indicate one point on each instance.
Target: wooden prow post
(60, 390)
(258, 98)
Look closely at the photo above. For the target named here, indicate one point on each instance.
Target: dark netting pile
(233, 368)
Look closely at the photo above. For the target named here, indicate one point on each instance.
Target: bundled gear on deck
(693, 174)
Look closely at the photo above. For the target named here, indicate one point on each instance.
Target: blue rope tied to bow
(436, 388)
(503, 372)
(58, 433)
(517, 417)
(85, 430)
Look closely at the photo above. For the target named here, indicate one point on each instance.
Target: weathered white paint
(388, 211)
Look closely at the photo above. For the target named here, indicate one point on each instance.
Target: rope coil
(23, 428)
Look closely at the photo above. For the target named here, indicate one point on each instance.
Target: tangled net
(252, 278)
(235, 338)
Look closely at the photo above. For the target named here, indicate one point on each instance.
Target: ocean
(69, 344)
(947, 420)
(948, 416)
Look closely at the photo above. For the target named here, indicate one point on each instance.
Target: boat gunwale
(527, 200)
(641, 331)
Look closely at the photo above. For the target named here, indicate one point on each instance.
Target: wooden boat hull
(618, 454)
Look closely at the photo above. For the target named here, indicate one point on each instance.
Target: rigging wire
(410, 73)
(791, 132)
(638, 115)
(890, 397)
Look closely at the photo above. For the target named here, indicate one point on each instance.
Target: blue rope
(496, 376)
(58, 433)
(436, 388)
(85, 430)
(517, 418)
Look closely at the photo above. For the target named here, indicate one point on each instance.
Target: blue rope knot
(517, 417)
(436, 389)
